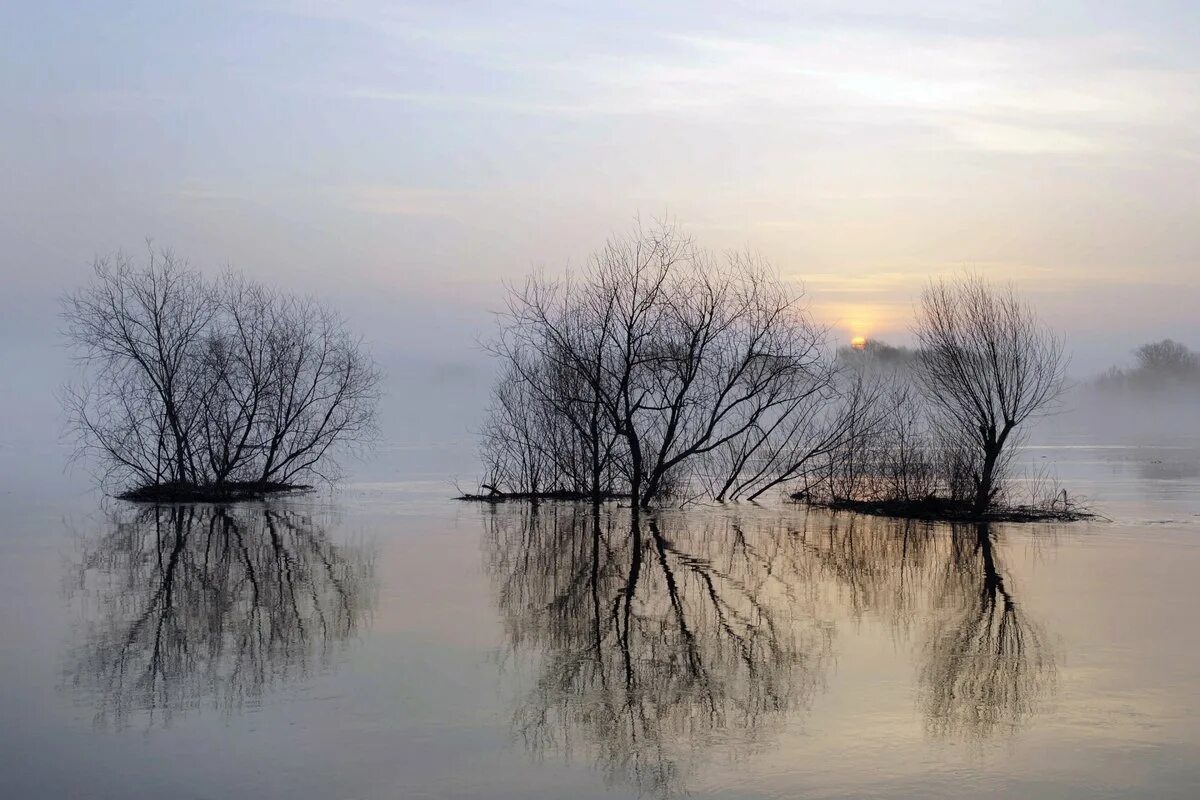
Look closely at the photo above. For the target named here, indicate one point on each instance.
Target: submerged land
(931, 509)
(936, 509)
(233, 491)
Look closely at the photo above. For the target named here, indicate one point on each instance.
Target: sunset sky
(404, 159)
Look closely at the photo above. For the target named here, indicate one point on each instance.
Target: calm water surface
(385, 642)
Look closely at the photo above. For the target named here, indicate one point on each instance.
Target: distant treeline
(1159, 366)
(879, 353)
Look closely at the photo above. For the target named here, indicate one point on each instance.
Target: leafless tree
(987, 364)
(907, 460)
(141, 331)
(322, 392)
(665, 361)
(198, 383)
(824, 433)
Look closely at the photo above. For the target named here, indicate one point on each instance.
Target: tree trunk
(983, 487)
(637, 476)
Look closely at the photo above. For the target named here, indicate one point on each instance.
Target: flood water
(388, 642)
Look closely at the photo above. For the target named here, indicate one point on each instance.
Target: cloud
(1072, 94)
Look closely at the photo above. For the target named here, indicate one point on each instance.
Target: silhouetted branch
(227, 387)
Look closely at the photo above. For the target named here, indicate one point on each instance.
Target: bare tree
(661, 369)
(828, 426)
(142, 333)
(987, 364)
(211, 384)
(662, 358)
(323, 389)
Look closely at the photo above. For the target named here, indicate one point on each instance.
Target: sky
(403, 160)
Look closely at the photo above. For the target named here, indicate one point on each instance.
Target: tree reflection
(655, 640)
(871, 566)
(185, 606)
(986, 666)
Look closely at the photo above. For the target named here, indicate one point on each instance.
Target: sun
(859, 342)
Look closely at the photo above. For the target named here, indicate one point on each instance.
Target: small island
(940, 509)
(230, 492)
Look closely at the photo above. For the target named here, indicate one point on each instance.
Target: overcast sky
(405, 158)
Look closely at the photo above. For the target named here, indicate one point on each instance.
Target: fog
(437, 377)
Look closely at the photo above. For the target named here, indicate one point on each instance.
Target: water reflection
(184, 606)
(654, 637)
(654, 641)
(985, 665)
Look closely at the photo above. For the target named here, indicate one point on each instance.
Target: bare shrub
(198, 383)
(986, 364)
(672, 370)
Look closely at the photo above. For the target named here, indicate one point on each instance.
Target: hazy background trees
(210, 383)
(1158, 367)
(879, 353)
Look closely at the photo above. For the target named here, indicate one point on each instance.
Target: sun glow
(859, 342)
